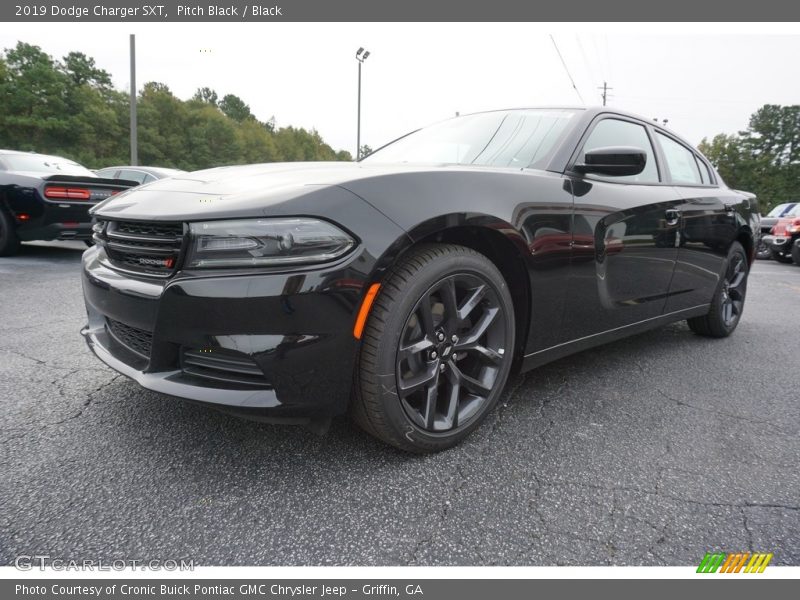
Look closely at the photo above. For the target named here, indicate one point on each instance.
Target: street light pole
(134, 148)
(361, 56)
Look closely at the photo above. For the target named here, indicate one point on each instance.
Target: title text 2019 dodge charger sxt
(405, 287)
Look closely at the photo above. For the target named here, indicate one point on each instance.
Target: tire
(762, 251)
(781, 258)
(796, 253)
(427, 377)
(728, 302)
(9, 242)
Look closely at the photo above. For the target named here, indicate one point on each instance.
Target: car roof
(154, 170)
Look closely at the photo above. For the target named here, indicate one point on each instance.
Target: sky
(704, 80)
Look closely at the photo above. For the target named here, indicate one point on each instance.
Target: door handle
(672, 215)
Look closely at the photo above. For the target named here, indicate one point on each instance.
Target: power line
(575, 87)
(589, 70)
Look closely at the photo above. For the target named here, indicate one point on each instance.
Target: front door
(624, 238)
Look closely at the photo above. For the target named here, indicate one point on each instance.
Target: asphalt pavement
(649, 451)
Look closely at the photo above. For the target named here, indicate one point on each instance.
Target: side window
(680, 161)
(131, 175)
(149, 178)
(613, 132)
(108, 173)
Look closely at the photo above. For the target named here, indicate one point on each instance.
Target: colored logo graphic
(734, 562)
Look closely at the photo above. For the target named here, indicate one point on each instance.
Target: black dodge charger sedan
(404, 288)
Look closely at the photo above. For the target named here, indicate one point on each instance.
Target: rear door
(708, 224)
(624, 236)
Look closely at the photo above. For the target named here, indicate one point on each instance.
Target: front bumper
(293, 330)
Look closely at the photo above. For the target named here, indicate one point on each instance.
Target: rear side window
(681, 161)
(705, 173)
(614, 132)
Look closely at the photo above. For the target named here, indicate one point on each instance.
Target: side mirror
(613, 160)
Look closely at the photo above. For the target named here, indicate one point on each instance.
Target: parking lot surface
(648, 451)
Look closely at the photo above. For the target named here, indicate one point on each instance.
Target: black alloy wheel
(734, 287)
(450, 352)
(725, 310)
(437, 349)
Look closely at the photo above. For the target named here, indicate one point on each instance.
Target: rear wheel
(437, 349)
(728, 303)
(796, 253)
(9, 242)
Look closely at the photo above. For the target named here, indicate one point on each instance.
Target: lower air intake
(226, 367)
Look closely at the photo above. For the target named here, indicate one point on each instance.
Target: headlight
(265, 242)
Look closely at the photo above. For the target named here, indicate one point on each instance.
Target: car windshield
(512, 138)
(793, 212)
(44, 164)
(783, 210)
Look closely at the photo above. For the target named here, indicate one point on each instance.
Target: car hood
(251, 189)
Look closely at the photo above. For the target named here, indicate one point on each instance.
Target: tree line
(70, 108)
(763, 159)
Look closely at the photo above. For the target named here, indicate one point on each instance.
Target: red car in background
(784, 238)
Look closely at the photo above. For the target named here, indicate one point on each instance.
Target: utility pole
(605, 89)
(361, 56)
(134, 149)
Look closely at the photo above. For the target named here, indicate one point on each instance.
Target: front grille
(222, 366)
(137, 340)
(148, 248)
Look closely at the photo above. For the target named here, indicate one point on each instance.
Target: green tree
(206, 95)
(765, 158)
(82, 70)
(235, 108)
(32, 100)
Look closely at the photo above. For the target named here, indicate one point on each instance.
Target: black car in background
(405, 287)
(47, 198)
(768, 222)
(139, 174)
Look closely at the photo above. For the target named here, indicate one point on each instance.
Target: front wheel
(437, 349)
(728, 302)
(762, 251)
(796, 253)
